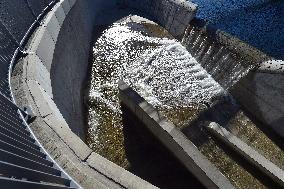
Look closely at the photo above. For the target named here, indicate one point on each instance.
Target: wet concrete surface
(150, 160)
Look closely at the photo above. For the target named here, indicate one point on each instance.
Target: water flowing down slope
(159, 68)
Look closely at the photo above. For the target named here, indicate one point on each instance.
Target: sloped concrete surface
(51, 77)
(173, 139)
(248, 153)
(58, 52)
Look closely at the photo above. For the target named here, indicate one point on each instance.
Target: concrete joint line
(65, 142)
(248, 153)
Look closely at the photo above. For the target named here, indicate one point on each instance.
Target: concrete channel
(50, 80)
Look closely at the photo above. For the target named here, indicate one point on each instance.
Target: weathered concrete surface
(262, 94)
(173, 139)
(173, 15)
(49, 80)
(117, 173)
(251, 155)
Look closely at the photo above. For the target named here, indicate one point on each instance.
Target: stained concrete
(251, 155)
(261, 94)
(50, 80)
(173, 139)
(62, 44)
(261, 91)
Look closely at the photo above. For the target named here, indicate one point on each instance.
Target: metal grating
(7, 48)
(16, 16)
(23, 161)
(37, 6)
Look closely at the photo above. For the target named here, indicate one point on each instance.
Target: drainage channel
(168, 77)
(130, 44)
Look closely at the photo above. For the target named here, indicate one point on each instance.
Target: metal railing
(23, 161)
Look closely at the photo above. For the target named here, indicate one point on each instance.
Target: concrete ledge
(32, 87)
(117, 173)
(261, 94)
(251, 155)
(85, 175)
(66, 6)
(173, 15)
(51, 115)
(52, 26)
(36, 71)
(59, 13)
(45, 48)
(72, 3)
(272, 66)
(173, 139)
(45, 38)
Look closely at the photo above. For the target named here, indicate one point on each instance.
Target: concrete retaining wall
(68, 64)
(248, 153)
(49, 79)
(173, 139)
(173, 15)
(261, 92)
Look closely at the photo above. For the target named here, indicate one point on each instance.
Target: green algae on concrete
(181, 116)
(109, 140)
(248, 132)
(105, 133)
(236, 174)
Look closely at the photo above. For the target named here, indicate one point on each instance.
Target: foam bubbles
(160, 69)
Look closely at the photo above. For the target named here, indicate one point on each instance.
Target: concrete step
(173, 139)
(228, 164)
(248, 153)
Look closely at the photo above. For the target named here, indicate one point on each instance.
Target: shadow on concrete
(150, 160)
(266, 129)
(254, 110)
(221, 113)
(253, 170)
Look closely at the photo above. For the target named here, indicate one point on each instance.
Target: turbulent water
(223, 65)
(160, 69)
(176, 82)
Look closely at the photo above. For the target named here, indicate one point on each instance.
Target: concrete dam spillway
(211, 104)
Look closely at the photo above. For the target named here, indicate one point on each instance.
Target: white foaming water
(161, 70)
(221, 63)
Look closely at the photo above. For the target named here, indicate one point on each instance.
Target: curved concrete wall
(51, 77)
(49, 80)
(70, 59)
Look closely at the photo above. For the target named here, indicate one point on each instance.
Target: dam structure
(45, 53)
